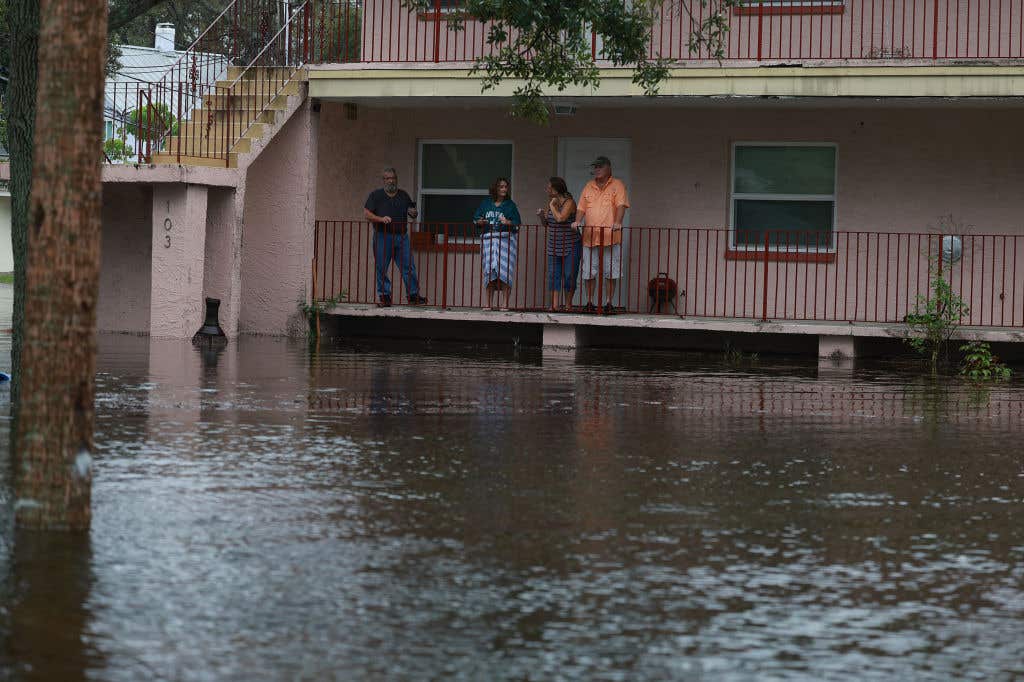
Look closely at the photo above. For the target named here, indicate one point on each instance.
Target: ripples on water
(480, 515)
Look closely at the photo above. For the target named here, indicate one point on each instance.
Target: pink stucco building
(840, 155)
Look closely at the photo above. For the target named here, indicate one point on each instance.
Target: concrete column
(561, 336)
(179, 245)
(836, 347)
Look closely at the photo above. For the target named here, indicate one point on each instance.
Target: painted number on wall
(167, 229)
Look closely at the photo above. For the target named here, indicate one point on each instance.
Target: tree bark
(53, 440)
(23, 17)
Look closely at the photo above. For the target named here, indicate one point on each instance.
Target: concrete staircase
(237, 119)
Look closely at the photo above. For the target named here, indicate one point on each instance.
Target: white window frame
(444, 10)
(753, 4)
(734, 195)
(420, 191)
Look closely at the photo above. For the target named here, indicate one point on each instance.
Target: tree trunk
(53, 434)
(23, 16)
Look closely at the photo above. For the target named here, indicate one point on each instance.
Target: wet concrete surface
(387, 512)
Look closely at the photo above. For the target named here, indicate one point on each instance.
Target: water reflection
(389, 513)
(48, 614)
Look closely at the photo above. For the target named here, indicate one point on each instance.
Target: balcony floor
(662, 322)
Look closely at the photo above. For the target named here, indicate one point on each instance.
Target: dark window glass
(465, 166)
(806, 224)
(454, 209)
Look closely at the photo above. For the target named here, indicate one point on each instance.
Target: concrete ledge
(934, 81)
(172, 173)
(631, 321)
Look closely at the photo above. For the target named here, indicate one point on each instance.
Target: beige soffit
(345, 82)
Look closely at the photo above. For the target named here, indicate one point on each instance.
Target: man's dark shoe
(608, 310)
(416, 299)
(590, 308)
(385, 302)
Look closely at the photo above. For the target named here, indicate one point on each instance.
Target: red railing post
(760, 28)
(227, 131)
(316, 244)
(149, 124)
(764, 302)
(437, 31)
(306, 26)
(444, 270)
(935, 30)
(178, 119)
(138, 124)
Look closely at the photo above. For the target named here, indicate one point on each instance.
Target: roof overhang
(935, 82)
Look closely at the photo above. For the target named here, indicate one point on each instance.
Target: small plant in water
(980, 364)
(311, 310)
(935, 319)
(735, 357)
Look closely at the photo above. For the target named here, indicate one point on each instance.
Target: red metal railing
(120, 100)
(818, 30)
(840, 277)
(228, 78)
(335, 29)
(225, 81)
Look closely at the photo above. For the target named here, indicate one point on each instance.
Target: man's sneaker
(608, 310)
(385, 302)
(590, 308)
(416, 299)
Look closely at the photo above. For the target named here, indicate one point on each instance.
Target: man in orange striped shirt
(601, 208)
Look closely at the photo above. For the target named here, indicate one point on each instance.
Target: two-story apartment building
(841, 154)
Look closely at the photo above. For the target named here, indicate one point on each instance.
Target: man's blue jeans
(387, 246)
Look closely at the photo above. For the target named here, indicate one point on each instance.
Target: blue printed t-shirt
(492, 212)
(397, 207)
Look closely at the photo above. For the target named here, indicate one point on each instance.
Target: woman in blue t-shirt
(499, 219)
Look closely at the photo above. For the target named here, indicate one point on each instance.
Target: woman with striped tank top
(564, 245)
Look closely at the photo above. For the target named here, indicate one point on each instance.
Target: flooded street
(389, 512)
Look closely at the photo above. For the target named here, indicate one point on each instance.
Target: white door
(575, 154)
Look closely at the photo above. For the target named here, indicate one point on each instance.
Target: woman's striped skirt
(498, 256)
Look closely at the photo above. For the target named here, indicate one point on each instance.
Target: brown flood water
(482, 514)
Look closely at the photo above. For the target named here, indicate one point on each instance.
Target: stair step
(220, 130)
(164, 158)
(203, 145)
(248, 87)
(262, 71)
(243, 102)
(240, 119)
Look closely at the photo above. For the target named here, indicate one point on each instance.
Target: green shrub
(980, 364)
(935, 320)
(156, 120)
(116, 150)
